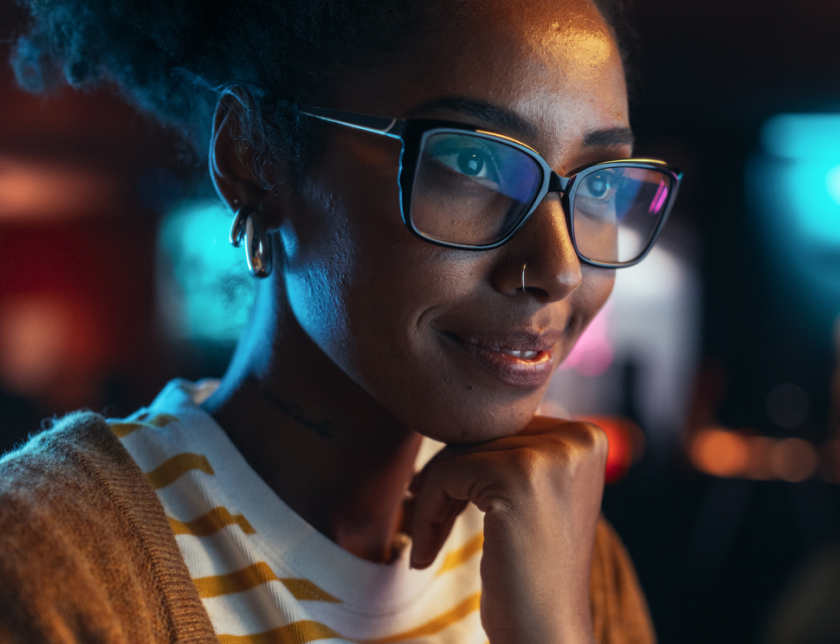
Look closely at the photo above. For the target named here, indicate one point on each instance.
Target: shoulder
(75, 472)
(619, 610)
(63, 451)
(84, 545)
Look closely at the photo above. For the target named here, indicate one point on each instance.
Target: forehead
(569, 36)
(553, 62)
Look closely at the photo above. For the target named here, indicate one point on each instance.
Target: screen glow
(204, 289)
(793, 184)
(806, 151)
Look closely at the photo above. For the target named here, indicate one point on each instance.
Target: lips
(524, 360)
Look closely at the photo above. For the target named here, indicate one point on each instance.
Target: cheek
(355, 279)
(319, 263)
(593, 293)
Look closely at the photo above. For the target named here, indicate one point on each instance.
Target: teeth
(522, 355)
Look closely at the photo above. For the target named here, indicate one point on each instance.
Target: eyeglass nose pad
(556, 183)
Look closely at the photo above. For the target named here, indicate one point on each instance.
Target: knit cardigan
(87, 554)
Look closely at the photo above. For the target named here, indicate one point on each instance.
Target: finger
(433, 517)
(407, 515)
(442, 490)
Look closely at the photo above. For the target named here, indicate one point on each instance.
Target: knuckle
(597, 438)
(528, 465)
(579, 435)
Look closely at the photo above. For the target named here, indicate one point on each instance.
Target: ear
(232, 161)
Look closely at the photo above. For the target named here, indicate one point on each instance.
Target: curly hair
(175, 59)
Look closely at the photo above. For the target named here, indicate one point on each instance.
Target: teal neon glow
(794, 189)
(205, 291)
(807, 147)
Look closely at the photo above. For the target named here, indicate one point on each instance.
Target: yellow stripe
(305, 590)
(121, 430)
(469, 605)
(309, 631)
(176, 467)
(459, 556)
(211, 523)
(294, 633)
(124, 429)
(255, 575)
(162, 420)
(235, 582)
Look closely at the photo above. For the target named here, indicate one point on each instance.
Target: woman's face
(434, 334)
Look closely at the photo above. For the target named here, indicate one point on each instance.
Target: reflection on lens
(471, 190)
(618, 210)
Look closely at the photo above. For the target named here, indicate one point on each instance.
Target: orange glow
(759, 468)
(727, 453)
(34, 336)
(586, 37)
(720, 452)
(793, 460)
(51, 191)
(626, 444)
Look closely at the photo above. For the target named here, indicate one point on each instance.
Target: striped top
(264, 575)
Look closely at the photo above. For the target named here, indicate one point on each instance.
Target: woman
(400, 177)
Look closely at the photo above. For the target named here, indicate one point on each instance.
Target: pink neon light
(593, 354)
(659, 198)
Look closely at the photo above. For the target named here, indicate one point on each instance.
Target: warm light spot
(51, 348)
(34, 336)
(581, 42)
(794, 460)
(719, 452)
(51, 191)
(626, 444)
(760, 448)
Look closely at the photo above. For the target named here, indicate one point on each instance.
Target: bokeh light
(204, 288)
(720, 453)
(794, 186)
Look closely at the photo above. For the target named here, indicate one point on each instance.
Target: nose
(544, 246)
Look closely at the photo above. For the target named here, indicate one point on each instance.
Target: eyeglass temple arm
(376, 124)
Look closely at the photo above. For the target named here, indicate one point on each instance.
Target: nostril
(532, 290)
(536, 291)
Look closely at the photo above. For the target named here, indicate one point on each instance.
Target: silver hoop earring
(237, 228)
(248, 227)
(524, 288)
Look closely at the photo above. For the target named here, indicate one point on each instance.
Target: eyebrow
(609, 138)
(508, 121)
(499, 117)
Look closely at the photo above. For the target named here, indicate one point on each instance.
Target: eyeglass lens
(474, 191)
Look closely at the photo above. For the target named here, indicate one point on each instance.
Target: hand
(541, 493)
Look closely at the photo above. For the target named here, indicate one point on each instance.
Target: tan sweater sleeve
(86, 551)
(619, 610)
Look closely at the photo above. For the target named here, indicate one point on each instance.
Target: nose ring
(524, 289)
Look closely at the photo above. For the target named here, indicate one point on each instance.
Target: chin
(467, 424)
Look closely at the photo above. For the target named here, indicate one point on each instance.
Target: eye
(467, 156)
(471, 163)
(597, 186)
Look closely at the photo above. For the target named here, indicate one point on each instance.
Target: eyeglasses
(464, 187)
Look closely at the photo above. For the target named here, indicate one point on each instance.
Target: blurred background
(714, 368)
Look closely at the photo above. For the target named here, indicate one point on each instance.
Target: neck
(328, 449)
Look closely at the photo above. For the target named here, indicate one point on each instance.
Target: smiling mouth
(516, 360)
(522, 355)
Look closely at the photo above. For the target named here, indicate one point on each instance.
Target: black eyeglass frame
(412, 133)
